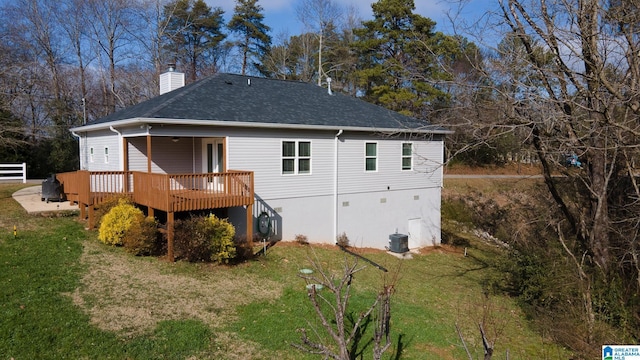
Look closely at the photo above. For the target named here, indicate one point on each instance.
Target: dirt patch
(130, 296)
(357, 250)
(441, 249)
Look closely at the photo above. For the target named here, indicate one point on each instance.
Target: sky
(281, 16)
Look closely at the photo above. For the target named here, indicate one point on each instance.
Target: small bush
(342, 240)
(190, 240)
(244, 248)
(302, 239)
(117, 222)
(142, 237)
(106, 206)
(204, 239)
(222, 232)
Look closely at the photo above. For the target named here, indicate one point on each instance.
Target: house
(290, 156)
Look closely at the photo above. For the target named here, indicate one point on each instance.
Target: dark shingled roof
(238, 98)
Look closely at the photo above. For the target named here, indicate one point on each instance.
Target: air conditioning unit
(398, 243)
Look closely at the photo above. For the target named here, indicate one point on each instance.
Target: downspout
(83, 162)
(121, 160)
(335, 184)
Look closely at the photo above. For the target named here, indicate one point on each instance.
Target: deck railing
(187, 192)
(94, 187)
(70, 185)
(166, 192)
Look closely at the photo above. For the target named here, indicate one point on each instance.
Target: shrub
(222, 232)
(106, 205)
(118, 221)
(204, 239)
(190, 240)
(142, 237)
(342, 240)
(302, 239)
(244, 248)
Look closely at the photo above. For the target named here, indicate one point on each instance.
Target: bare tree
(276, 62)
(565, 78)
(330, 294)
(30, 59)
(34, 28)
(318, 16)
(111, 23)
(71, 15)
(150, 39)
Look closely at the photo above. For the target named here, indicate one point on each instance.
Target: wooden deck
(170, 193)
(188, 192)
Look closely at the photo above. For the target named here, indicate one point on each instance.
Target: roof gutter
(120, 148)
(431, 129)
(83, 162)
(335, 184)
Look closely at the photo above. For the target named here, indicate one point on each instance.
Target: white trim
(106, 154)
(376, 157)
(403, 156)
(214, 141)
(296, 157)
(335, 184)
(215, 168)
(120, 148)
(92, 154)
(429, 129)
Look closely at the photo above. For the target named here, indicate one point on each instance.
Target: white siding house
(323, 164)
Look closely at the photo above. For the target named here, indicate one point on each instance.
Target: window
(304, 157)
(407, 163)
(91, 157)
(296, 157)
(106, 155)
(370, 156)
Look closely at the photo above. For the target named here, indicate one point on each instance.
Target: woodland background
(532, 81)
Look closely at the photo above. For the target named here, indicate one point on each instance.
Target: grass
(65, 295)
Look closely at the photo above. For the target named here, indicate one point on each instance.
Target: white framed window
(91, 155)
(407, 156)
(371, 156)
(106, 155)
(296, 157)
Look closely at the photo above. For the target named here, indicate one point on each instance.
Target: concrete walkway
(31, 200)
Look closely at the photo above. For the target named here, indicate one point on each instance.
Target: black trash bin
(51, 190)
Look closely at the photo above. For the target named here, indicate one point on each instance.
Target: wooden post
(170, 234)
(91, 216)
(249, 223)
(224, 155)
(83, 211)
(149, 154)
(250, 209)
(125, 164)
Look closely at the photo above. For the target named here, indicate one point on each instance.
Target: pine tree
(398, 63)
(193, 34)
(247, 22)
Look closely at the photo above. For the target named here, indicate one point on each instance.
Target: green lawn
(65, 295)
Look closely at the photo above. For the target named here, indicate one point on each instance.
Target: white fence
(14, 172)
